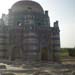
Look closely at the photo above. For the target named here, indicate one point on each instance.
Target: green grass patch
(64, 53)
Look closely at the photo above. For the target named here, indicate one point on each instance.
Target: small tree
(71, 52)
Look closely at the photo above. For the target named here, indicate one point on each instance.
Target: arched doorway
(44, 54)
(16, 54)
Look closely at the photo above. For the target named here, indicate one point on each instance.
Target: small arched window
(39, 23)
(19, 23)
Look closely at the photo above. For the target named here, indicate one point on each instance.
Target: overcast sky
(62, 10)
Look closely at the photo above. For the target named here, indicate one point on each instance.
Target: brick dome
(27, 6)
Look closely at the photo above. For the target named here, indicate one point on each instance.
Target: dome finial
(26, 0)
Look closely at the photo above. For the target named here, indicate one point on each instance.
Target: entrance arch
(44, 54)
